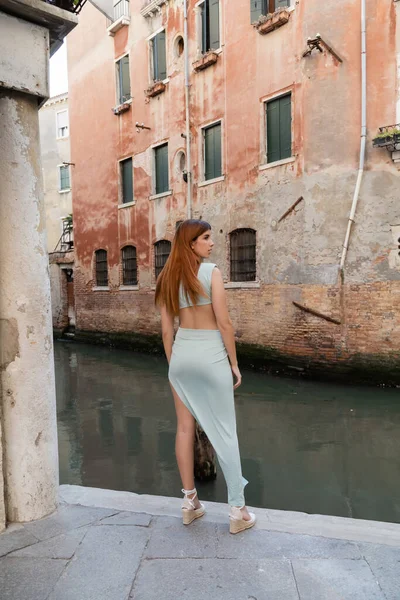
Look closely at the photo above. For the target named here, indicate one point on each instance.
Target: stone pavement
(104, 545)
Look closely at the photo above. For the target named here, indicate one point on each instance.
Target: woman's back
(201, 315)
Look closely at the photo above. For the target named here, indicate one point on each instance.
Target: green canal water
(312, 447)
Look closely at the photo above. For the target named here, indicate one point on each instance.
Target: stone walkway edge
(341, 528)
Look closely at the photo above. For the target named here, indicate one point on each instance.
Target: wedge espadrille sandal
(236, 521)
(189, 512)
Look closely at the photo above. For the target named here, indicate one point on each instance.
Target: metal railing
(74, 6)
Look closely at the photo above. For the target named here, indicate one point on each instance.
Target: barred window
(162, 250)
(243, 255)
(129, 266)
(101, 268)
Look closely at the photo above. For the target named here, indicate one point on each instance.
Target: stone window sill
(129, 288)
(277, 163)
(243, 285)
(64, 191)
(100, 288)
(156, 89)
(127, 204)
(162, 195)
(211, 181)
(207, 60)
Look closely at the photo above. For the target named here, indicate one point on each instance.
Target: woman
(200, 373)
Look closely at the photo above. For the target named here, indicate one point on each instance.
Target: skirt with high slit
(200, 374)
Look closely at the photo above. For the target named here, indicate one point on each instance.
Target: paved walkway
(104, 545)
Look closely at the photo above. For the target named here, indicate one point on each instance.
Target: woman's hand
(237, 374)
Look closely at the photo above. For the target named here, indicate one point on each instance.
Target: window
(62, 124)
(243, 255)
(159, 57)
(123, 80)
(161, 169)
(279, 128)
(126, 180)
(129, 266)
(263, 7)
(212, 152)
(101, 268)
(162, 250)
(65, 183)
(210, 25)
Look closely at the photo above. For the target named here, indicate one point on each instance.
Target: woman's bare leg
(184, 445)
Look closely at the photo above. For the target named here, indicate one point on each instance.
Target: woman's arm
(224, 322)
(167, 328)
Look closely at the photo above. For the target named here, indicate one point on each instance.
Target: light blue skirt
(200, 373)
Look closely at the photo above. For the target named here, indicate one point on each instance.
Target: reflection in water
(305, 446)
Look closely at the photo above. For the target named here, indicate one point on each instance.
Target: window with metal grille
(279, 128)
(129, 266)
(263, 7)
(161, 169)
(101, 268)
(162, 250)
(159, 56)
(62, 124)
(243, 255)
(126, 180)
(65, 183)
(123, 80)
(210, 25)
(212, 152)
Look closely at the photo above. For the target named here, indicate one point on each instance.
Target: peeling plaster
(9, 342)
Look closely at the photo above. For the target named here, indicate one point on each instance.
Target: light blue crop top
(204, 276)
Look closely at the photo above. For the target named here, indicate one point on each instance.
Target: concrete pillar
(27, 377)
(29, 29)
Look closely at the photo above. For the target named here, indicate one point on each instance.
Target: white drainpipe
(363, 135)
(187, 111)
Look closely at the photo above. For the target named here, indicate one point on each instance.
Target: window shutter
(257, 8)
(127, 181)
(212, 152)
(160, 57)
(281, 4)
(213, 23)
(162, 178)
(125, 79)
(273, 137)
(205, 38)
(285, 126)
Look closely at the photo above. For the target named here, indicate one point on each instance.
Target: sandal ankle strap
(190, 492)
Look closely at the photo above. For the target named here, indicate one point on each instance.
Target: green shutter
(162, 183)
(205, 38)
(257, 8)
(285, 126)
(127, 181)
(212, 152)
(281, 4)
(273, 139)
(159, 57)
(124, 79)
(279, 129)
(213, 23)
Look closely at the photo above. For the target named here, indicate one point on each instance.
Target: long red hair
(181, 267)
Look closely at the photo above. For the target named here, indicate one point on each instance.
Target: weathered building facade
(273, 110)
(56, 161)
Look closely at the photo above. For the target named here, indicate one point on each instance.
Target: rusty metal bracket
(319, 44)
(316, 313)
(290, 209)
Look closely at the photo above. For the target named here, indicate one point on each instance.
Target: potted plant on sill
(271, 21)
(157, 88)
(388, 137)
(209, 58)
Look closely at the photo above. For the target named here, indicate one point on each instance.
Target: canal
(305, 446)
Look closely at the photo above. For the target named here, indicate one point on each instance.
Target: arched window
(101, 268)
(129, 266)
(243, 255)
(162, 250)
